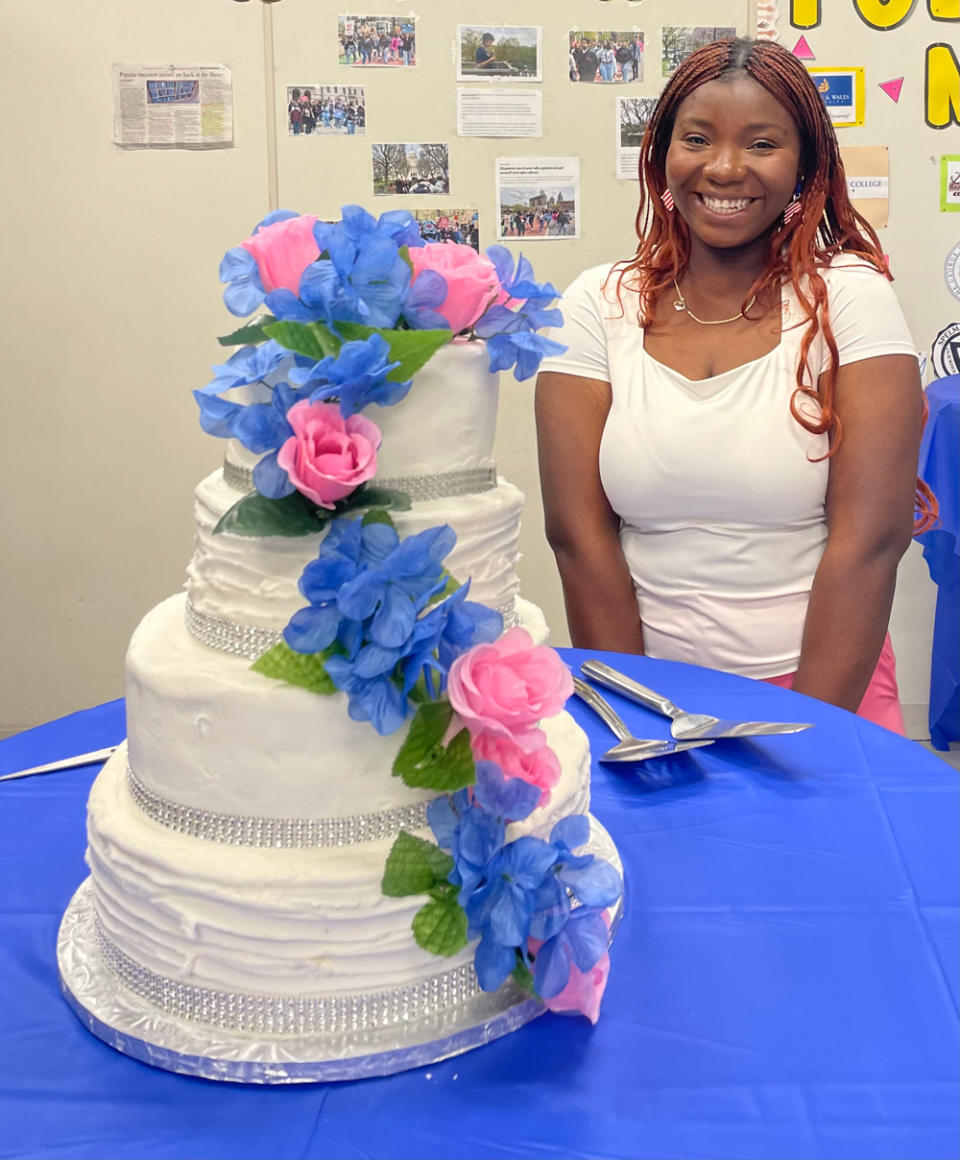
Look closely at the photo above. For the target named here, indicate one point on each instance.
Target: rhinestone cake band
(252, 640)
(285, 833)
(443, 486)
(276, 1015)
(243, 640)
(418, 487)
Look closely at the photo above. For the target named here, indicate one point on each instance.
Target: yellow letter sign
(944, 9)
(804, 13)
(885, 14)
(943, 87)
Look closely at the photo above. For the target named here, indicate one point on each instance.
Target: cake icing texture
(349, 786)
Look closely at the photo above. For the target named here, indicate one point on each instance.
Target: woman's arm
(870, 503)
(581, 527)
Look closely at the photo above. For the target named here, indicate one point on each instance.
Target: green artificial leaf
(414, 866)
(404, 253)
(255, 515)
(441, 927)
(253, 332)
(312, 339)
(413, 349)
(381, 497)
(306, 670)
(451, 586)
(377, 516)
(523, 976)
(443, 890)
(424, 763)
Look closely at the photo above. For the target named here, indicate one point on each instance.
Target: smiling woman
(728, 449)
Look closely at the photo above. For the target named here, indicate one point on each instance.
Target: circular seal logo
(951, 271)
(946, 351)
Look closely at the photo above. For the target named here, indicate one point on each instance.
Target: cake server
(630, 748)
(684, 726)
(74, 762)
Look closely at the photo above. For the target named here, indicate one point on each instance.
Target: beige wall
(111, 303)
(109, 321)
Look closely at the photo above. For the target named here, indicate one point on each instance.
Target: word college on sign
(860, 187)
(942, 74)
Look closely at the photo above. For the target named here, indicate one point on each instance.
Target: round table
(784, 981)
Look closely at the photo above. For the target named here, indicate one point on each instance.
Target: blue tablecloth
(940, 467)
(784, 982)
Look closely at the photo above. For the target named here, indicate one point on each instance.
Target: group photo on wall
(325, 109)
(606, 57)
(377, 41)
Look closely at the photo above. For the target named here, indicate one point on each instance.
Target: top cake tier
(447, 422)
(437, 446)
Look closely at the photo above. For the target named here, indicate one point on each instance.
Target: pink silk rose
(583, 992)
(538, 766)
(472, 282)
(506, 687)
(328, 457)
(283, 251)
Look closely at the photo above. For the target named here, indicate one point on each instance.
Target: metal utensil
(630, 748)
(74, 762)
(684, 726)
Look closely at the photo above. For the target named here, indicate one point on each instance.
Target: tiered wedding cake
(269, 886)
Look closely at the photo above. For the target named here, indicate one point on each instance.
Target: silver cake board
(131, 1025)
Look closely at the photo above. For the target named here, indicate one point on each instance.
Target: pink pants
(881, 701)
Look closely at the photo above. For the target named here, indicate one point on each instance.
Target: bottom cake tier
(288, 921)
(248, 1038)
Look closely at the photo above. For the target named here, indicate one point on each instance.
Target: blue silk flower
(367, 590)
(518, 890)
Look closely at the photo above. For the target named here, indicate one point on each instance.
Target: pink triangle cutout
(802, 50)
(892, 88)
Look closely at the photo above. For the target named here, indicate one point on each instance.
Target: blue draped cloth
(783, 983)
(940, 468)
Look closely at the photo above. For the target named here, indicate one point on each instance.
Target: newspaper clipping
(538, 197)
(633, 116)
(187, 106)
(499, 113)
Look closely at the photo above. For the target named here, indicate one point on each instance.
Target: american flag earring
(793, 206)
(667, 198)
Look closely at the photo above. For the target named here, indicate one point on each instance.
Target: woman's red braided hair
(798, 250)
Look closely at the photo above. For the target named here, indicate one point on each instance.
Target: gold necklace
(681, 304)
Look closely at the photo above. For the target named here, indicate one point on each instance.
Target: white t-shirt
(722, 508)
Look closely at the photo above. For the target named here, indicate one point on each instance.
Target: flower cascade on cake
(356, 308)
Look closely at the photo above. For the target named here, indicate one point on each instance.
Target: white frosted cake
(227, 838)
(266, 867)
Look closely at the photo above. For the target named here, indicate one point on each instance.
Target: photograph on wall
(499, 52)
(842, 93)
(410, 168)
(633, 116)
(449, 225)
(185, 91)
(538, 197)
(377, 41)
(483, 112)
(605, 58)
(950, 183)
(678, 43)
(326, 110)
